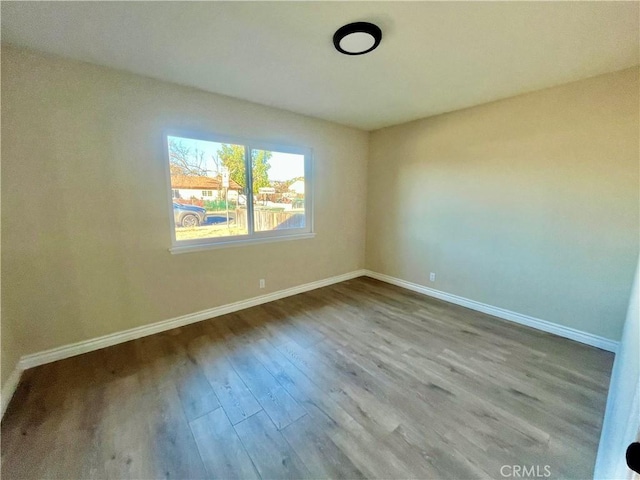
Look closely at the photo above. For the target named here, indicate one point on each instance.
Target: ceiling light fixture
(357, 38)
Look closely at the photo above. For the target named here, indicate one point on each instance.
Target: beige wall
(529, 203)
(85, 232)
(10, 350)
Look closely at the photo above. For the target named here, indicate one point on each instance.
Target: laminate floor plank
(170, 449)
(360, 445)
(270, 325)
(126, 445)
(376, 410)
(360, 379)
(220, 447)
(310, 439)
(276, 402)
(232, 393)
(270, 452)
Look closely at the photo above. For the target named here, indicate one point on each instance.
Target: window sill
(237, 243)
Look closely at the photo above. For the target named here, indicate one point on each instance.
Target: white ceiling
(434, 56)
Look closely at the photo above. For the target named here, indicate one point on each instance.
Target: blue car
(188, 215)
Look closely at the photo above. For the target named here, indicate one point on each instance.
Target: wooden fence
(271, 220)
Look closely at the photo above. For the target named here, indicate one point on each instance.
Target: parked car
(189, 215)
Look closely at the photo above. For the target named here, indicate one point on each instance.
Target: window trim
(253, 237)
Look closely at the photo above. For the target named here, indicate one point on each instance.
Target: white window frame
(253, 237)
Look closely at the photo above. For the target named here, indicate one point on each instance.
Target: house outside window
(236, 192)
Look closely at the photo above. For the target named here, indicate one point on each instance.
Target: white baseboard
(545, 326)
(8, 389)
(66, 351)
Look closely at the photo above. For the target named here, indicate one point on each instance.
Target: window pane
(278, 189)
(208, 181)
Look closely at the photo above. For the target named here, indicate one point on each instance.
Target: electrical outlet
(262, 284)
(432, 277)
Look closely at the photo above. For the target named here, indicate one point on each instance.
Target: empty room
(308, 240)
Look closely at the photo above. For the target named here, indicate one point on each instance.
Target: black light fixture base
(357, 27)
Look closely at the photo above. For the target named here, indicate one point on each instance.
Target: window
(233, 192)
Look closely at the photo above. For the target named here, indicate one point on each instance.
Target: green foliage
(232, 157)
(217, 205)
(260, 168)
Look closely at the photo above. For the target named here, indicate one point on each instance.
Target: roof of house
(195, 182)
